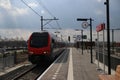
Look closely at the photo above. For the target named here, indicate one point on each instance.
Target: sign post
(85, 24)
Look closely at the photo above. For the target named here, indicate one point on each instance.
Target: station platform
(72, 65)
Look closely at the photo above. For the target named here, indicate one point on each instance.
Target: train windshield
(39, 40)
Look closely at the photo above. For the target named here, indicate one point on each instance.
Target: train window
(39, 40)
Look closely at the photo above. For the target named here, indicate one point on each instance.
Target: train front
(38, 46)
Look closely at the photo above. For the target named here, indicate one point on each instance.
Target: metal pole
(103, 51)
(113, 40)
(82, 40)
(98, 48)
(41, 23)
(108, 36)
(91, 40)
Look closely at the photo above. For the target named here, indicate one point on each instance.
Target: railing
(9, 58)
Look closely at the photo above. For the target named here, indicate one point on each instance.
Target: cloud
(5, 4)
(13, 33)
(99, 12)
(22, 33)
(42, 11)
(32, 5)
(9, 8)
(19, 11)
(99, 1)
(1, 16)
(11, 15)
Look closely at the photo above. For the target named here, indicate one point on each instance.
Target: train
(44, 46)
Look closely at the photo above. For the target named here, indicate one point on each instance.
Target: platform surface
(72, 65)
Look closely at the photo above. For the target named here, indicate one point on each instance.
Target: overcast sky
(15, 15)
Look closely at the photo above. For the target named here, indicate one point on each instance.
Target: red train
(43, 45)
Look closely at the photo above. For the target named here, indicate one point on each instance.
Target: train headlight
(45, 52)
(30, 52)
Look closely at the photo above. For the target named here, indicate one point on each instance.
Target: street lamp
(108, 35)
(86, 19)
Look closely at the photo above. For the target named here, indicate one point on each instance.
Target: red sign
(100, 27)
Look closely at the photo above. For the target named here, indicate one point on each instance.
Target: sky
(17, 19)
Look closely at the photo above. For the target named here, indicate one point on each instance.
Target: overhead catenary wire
(31, 8)
(41, 4)
(51, 27)
(58, 24)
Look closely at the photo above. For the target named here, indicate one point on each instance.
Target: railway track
(11, 75)
(32, 73)
(24, 72)
(35, 72)
(29, 72)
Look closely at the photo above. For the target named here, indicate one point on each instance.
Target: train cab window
(39, 40)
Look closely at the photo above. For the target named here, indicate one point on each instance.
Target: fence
(11, 58)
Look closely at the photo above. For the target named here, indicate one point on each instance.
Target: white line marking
(54, 76)
(58, 69)
(50, 66)
(70, 69)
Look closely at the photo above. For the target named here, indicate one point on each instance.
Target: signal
(69, 38)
